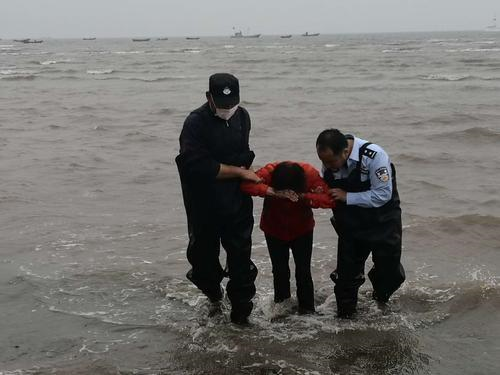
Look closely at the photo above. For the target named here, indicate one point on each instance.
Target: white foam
(446, 77)
(105, 71)
(126, 52)
(51, 62)
(9, 72)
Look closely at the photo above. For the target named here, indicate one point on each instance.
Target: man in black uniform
(214, 157)
(367, 217)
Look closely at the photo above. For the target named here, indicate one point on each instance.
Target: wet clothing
(369, 221)
(217, 211)
(282, 218)
(289, 226)
(279, 252)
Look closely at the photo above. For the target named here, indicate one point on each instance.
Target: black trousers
(234, 232)
(386, 275)
(279, 251)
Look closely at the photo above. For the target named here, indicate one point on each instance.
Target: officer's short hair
(331, 139)
(289, 176)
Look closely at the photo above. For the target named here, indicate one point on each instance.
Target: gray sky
(125, 18)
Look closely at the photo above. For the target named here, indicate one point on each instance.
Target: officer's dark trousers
(279, 251)
(386, 275)
(234, 233)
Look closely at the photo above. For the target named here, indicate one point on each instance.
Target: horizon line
(261, 34)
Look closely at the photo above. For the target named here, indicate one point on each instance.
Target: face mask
(226, 114)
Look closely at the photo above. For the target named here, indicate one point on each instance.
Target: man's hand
(249, 175)
(338, 194)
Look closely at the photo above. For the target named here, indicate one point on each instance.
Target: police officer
(367, 218)
(214, 157)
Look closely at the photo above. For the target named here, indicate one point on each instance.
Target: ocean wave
(124, 52)
(249, 61)
(445, 77)
(51, 62)
(15, 75)
(252, 103)
(401, 50)
(7, 47)
(426, 185)
(479, 88)
(138, 136)
(69, 78)
(479, 288)
(485, 42)
(164, 111)
(104, 71)
(454, 118)
(421, 159)
(481, 50)
(66, 71)
(480, 225)
(475, 134)
(157, 79)
(8, 72)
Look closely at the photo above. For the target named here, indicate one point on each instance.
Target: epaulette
(369, 153)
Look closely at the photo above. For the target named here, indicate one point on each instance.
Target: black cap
(225, 90)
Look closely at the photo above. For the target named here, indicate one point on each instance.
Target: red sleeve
(317, 190)
(260, 189)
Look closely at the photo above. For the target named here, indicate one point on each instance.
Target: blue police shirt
(377, 167)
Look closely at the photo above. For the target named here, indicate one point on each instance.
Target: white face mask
(225, 114)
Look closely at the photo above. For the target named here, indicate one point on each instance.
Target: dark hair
(331, 139)
(289, 176)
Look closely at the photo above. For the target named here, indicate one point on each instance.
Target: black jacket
(206, 141)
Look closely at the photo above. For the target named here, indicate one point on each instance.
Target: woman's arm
(260, 189)
(317, 190)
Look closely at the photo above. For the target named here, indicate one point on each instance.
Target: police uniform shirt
(376, 166)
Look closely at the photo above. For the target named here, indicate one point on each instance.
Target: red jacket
(282, 218)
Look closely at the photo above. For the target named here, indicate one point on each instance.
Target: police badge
(382, 174)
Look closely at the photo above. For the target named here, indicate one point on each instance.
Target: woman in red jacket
(290, 190)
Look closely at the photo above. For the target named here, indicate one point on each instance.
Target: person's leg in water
(349, 275)
(279, 253)
(302, 252)
(203, 255)
(237, 241)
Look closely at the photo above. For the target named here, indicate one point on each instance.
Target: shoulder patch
(369, 153)
(382, 174)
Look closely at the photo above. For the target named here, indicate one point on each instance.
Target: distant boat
(22, 40)
(307, 34)
(27, 41)
(141, 39)
(239, 35)
(493, 26)
(288, 36)
(192, 38)
(162, 39)
(88, 38)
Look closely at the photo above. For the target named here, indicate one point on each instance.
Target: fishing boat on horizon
(288, 36)
(30, 41)
(493, 26)
(141, 39)
(312, 34)
(192, 37)
(239, 35)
